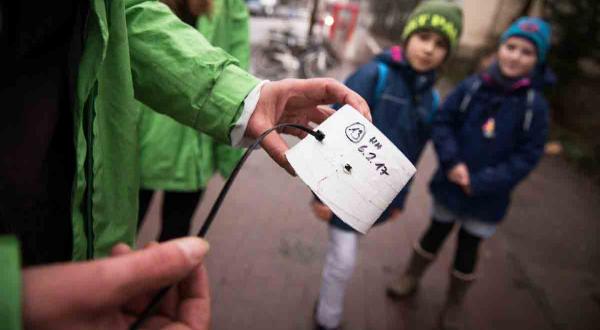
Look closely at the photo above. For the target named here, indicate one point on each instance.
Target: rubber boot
(408, 282)
(452, 316)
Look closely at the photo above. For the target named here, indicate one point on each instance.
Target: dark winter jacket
(403, 111)
(496, 162)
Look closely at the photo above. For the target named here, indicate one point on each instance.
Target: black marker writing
(370, 156)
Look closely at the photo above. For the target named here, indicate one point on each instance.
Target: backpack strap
(467, 98)
(382, 70)
(464, 105)
(529, 110)
(435, 103)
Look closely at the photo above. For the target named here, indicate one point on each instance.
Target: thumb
(50, 292)
(148, 270)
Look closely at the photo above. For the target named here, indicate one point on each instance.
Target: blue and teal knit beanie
(533, 29)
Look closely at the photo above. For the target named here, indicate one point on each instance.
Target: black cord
(151, 308)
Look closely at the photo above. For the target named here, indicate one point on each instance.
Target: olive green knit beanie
(442, 17)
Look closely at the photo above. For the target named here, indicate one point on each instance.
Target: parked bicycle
(286, 55)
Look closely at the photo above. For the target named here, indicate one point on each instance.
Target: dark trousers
(465, 257)
(177, 210)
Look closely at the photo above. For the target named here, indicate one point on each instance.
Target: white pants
(339, 265)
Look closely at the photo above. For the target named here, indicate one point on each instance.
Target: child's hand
(466, 189)
(459, 174)
(321, 211)
(395, 214)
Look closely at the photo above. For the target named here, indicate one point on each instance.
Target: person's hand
(459, 174)
(322, 211)
(111, 293)
(395, 214)
(466, 189)
(297, 101)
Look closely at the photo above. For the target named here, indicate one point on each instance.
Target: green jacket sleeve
(10, 283)
(176, 70)
(227, 158)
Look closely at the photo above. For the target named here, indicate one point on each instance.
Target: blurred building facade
(382, 21)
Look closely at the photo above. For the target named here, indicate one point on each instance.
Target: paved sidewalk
(267, 250)
(540, 271)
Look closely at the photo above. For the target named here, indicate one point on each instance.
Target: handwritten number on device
(371, 155)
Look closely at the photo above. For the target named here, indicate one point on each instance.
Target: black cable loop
(151, 308)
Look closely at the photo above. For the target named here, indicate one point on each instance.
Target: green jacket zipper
(89, 173)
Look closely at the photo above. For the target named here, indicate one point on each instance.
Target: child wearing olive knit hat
(398, 86)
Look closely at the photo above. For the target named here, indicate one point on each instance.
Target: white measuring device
(356, 170)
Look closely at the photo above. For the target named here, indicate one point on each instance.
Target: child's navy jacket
(499, 153)
(403, 111)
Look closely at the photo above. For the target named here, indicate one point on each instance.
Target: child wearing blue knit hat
(488, 135)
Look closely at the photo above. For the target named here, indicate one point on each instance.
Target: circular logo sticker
(356, 132)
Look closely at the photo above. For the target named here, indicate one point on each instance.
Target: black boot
(408, 282)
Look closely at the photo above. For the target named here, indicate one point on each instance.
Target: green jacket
(133, 50)
(175, 157)
(10, 283)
